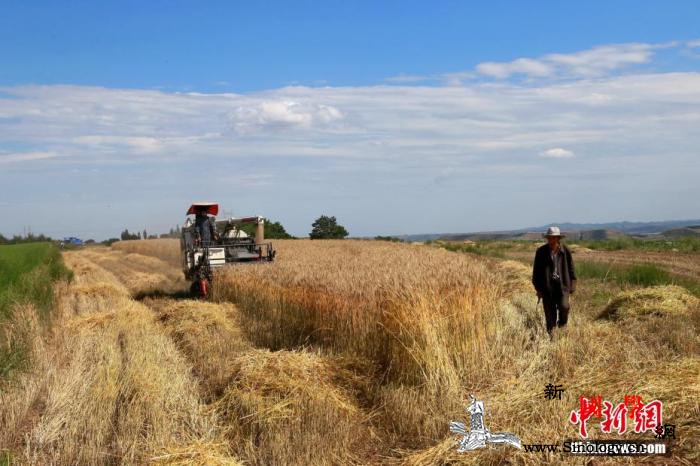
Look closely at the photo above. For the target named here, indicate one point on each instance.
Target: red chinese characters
(614, 418)
(587, 408)
(648, 416)
(633, 403)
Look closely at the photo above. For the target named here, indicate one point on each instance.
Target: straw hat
(553, 231)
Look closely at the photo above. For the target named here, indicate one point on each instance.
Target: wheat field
(339, 352)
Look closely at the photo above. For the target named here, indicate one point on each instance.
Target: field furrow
(274, 407)
(112, 387)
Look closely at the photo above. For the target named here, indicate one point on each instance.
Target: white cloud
(557, 153)
(139, 144)
(457, 78)
(25, 156)
(250, 180)
(693, 43)
(364, 151)
(525, 66)
(279, 113)
(599, 60)
(421, 123)
(584, 64)
(407, 78)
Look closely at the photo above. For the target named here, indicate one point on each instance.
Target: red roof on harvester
(210, 207)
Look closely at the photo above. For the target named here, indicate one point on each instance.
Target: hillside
(584, 231)
(599, 234)
(685, 232)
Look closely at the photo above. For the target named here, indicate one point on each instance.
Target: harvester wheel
(200, 289)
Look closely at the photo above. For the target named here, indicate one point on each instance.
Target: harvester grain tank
(207, 244)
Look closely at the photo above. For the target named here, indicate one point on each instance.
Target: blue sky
(397, 117)
(251, 46)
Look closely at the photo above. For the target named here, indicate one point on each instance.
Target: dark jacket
(544, 266)
(205, 227)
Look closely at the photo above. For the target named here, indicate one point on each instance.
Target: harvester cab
(207, 244)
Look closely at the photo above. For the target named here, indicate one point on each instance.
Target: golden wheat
(436, 324)
(140, 274)
(664, 301)
(246, 386)
(374, 348)
(166, 249)
(430, 326)
(208, 334)
(113, 389)
(292, 407)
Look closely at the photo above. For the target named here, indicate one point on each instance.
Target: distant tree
(28, 238)
(327, 228)
(393, 239)
(145, 234)
(273, 230)
(125, 235)
(109, 242)
(175, 232)
(90, 241)
(172, 233)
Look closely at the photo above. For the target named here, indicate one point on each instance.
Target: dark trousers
(556, 302)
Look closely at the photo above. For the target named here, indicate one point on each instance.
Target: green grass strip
(27, 274)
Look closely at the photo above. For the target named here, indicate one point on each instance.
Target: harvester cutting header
(207, 244)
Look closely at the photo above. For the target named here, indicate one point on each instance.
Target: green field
(27, 275)
(497, 247)
(635, 275)
(625, 243)
(623, 261)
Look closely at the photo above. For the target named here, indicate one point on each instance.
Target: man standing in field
(554, 278)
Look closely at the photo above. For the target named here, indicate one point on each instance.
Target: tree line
(29, 238)
(324, 227)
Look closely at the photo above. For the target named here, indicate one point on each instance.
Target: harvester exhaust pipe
(260, 231)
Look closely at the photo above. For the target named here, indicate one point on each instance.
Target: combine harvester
(207, 244)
